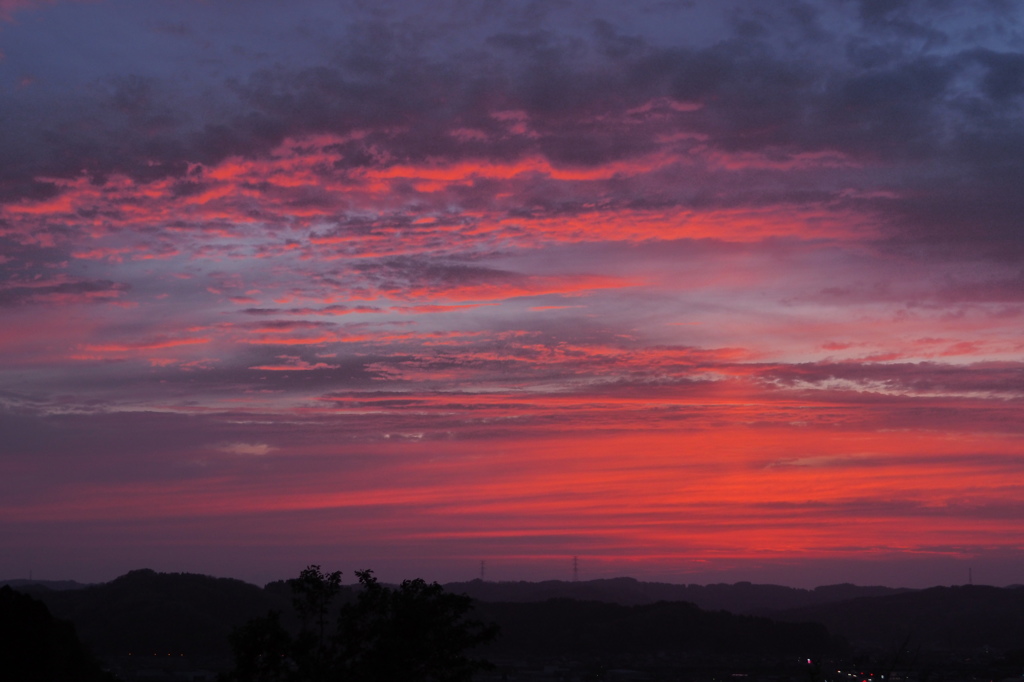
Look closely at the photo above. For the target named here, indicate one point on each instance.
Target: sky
(693, 291)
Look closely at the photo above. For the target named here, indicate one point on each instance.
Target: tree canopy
(415, 632)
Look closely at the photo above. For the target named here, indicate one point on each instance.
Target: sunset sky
(696, 291)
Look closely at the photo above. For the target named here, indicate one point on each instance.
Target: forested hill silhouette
(146, 612)
(568, 627)
(964, 618)
(742, 598)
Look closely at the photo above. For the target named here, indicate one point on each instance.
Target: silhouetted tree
(412, 633)
(263, 650)
(313, 594)
(416, 632)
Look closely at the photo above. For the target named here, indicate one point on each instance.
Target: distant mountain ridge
(741, 598)
(22, 583)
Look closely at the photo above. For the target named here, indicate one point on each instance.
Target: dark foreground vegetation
(36, 647)
(412, 632)
(153, 626)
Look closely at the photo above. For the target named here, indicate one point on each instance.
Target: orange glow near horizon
(739, 493)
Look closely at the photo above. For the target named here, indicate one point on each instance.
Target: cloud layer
(686, 289)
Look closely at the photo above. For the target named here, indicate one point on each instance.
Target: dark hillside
(148, 612)
(36, 647)
(965, 618)
(588, 628)
(144, 612)
(738, 598)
